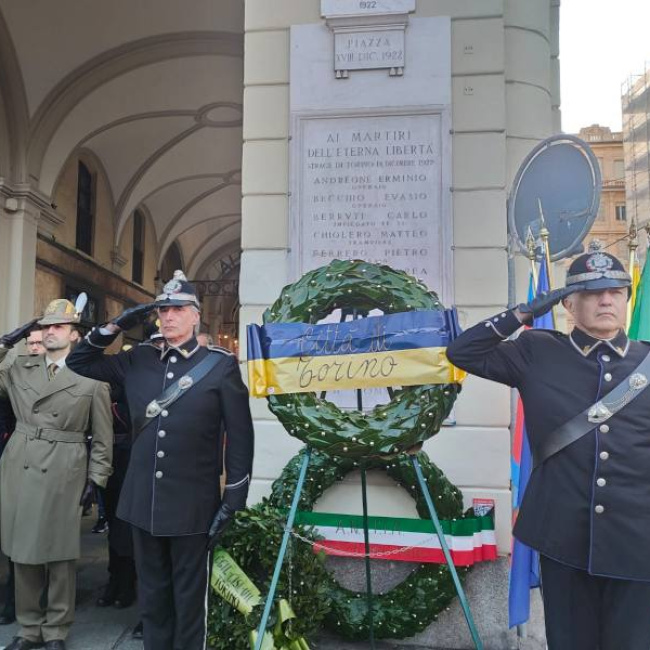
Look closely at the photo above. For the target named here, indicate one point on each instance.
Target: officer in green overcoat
(46, 475)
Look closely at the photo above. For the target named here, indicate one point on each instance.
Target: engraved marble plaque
(368, 50)
(370, 187)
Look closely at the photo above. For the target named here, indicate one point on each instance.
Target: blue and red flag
(524, 562)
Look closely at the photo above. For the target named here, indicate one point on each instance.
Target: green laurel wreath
(377, 439)
(413, 415)
(415, 603)
(253, 540)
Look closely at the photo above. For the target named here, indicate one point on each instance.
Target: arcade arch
(148, 99)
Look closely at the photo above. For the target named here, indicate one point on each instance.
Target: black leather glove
(86, 500)
(543, 303)
(133, 316)
(9, 340)
(219, 524)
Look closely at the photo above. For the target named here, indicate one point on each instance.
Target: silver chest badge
(153, 409)
(185, 382)
(637, 381)
(599, 413)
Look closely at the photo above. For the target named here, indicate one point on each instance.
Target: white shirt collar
(60, 362)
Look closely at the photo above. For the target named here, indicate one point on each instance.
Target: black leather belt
(179, 388)
(607, 406)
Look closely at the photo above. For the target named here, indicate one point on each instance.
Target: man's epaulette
(218, 348)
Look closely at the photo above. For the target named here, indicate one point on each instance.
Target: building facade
(611, 226)
(504, 98)
(120, 155)
(139, 137)
(636, 138)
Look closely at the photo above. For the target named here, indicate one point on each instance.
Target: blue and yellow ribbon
(405, 349)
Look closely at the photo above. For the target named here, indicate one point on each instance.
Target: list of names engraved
(369, 188)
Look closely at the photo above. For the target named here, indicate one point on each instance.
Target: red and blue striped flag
(524, 562)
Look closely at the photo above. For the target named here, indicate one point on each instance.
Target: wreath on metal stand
(381, 438)
(411, 606)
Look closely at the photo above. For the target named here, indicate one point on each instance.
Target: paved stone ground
(94, 628)
(110, 629)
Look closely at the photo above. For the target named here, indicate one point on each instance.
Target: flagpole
(544, 234)
(632, 245)
(531, 246)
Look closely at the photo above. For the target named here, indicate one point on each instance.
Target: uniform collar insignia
(186, 350)
(586, 344)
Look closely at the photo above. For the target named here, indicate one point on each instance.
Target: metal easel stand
(283, 549)
(438, 529)
(366, 535)
(285, 541)
(445, 550)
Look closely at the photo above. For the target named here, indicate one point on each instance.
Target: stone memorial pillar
(391, 130)
(18, 228)
(370, 107)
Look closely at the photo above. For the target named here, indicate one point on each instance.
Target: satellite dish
(557, 186)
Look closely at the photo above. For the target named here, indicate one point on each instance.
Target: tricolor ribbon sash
(470, 539)
(405, 349)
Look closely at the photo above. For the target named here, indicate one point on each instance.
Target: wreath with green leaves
(415, 603)
(314, 594)
(342, 441)
(253, 541)
(413, 415)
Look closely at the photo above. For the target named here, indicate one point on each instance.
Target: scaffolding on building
(635, 97)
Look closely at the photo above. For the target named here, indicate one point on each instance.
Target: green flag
(640, 323)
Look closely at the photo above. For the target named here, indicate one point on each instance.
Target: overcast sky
(601, 44)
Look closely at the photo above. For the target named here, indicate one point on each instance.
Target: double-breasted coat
(588, 505)
(44, 468)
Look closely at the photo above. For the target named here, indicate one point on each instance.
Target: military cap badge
(599, 263)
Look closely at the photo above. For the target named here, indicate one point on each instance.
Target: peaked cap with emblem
(60, 312)
(598, 270)
(178, 292)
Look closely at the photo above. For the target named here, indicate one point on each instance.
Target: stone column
(18, 228)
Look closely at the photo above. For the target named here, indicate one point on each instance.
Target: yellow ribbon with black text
(230, 582)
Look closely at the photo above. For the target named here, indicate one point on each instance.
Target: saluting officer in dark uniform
(180, 398)
(587, 505)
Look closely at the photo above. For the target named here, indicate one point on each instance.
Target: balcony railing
(617, 184)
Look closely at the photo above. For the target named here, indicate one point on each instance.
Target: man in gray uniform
(45, 474)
